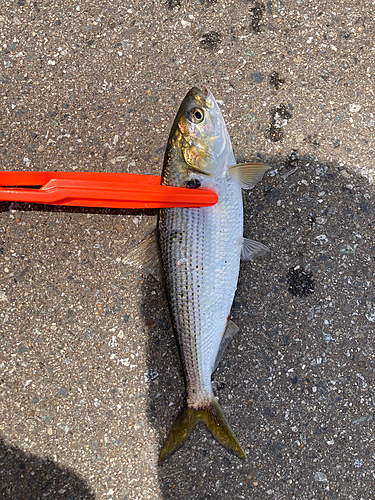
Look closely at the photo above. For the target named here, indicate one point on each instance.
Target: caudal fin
(216, 423)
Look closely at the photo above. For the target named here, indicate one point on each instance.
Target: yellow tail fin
(216, 423)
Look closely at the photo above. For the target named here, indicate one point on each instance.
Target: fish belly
(200, 250)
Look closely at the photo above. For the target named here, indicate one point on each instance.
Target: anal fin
(230, 331)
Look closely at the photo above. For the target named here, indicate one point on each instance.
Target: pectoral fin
(251, 249)
(247, 175)
(146, 256)
(230, 332)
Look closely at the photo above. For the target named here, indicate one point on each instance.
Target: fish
(196, 253)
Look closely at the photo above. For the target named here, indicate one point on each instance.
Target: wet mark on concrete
(274, 133)
(276, 79)
(314, 140)
(279, 119)
(293, 159)
(171, 4)
(211, 40)
(300, 281)
(256, 16)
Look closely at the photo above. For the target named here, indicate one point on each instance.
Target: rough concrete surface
(90, 376)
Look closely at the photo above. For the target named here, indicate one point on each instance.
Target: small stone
(344, 173)
(257, 77)
(126, 45)
(348, 249)
(321, 477)
(310, 316)
(65, 428)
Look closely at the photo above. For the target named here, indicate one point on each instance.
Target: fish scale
(201, 298)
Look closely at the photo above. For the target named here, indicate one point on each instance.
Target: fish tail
(212, 415)
(181, 430)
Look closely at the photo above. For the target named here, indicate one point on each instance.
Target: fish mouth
(206, 91)
(208, 97)
(203, 97)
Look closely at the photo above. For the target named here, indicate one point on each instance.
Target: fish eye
(197, 115)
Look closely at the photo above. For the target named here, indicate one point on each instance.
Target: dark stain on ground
(276, 79)
(173, 3)
(312, 219)
(274, 133)
(275, 129)
(256, 16)
(211, 40)
(5, 206)
(314, 140)
(283, 112)
(300, 281)
(293, 159)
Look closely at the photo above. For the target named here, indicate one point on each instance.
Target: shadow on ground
(28, 477)
(297, 382)
(5, 206)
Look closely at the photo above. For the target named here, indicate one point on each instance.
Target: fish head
(199, 146)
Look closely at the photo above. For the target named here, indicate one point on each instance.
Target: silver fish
(200, 253)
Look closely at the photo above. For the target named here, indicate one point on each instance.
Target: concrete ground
(90, 376)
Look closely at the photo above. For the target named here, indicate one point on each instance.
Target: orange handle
(99, 189)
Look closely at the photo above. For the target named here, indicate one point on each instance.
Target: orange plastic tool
(99, 189)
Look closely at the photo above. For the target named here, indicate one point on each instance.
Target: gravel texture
(89, 370)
